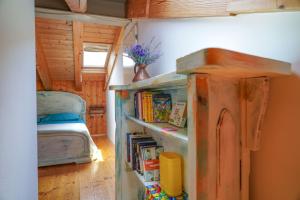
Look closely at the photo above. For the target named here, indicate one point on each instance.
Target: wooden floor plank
(91, 181)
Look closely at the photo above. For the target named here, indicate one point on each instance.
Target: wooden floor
(92, 181)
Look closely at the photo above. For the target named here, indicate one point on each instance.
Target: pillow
(60, 117)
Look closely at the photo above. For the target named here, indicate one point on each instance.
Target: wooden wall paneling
(96, 33)
(94, 95)
(79, 6)
(57, 40)
(175, 8)
(187, 8)
(42, 65)
(78, 53)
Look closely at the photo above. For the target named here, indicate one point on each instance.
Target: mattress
(64, 143)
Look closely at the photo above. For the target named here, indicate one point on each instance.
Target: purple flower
(142, 54)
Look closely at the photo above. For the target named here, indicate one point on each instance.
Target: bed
(62, 133)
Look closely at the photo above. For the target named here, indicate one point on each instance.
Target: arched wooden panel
(228, 158)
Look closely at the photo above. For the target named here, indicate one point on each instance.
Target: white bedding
(64, 143)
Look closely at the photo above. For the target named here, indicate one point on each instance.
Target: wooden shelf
(161, 81)
(227, 63)
(139, 176)
(180, 133)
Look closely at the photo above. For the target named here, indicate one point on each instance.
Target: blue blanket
(59, 118)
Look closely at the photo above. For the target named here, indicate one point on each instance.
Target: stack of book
(143, 155)
(152, 107)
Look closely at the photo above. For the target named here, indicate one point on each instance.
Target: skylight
(94, 55)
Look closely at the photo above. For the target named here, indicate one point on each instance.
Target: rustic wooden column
(232, 91)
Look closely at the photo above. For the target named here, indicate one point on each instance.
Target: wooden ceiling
(59, 47)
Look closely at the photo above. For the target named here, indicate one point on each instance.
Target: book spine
(144, 106)
(151, 107)
(128, 146)
(140, 106)
(135, 106)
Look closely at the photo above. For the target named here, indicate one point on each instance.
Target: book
(130, 139)
(162, 105)
(133, 147)
(140, 107)
(150, 106)
(178, 115)
(144, 106)
(141, 144)
(150, 158)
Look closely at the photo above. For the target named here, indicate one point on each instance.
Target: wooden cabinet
(227, 95)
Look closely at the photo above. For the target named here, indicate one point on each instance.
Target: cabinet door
(228, 158)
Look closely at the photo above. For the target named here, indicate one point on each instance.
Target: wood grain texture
(113, 57)
(62, 43)
(137, 8)
(77, 5)
(217, 138)
(42, 65)
(187, 8)
(223, 62)
(78, 53)
(175, 8)
(91, 181)
(252, 6)
(94, 95)
(256, 97)
(57, 41)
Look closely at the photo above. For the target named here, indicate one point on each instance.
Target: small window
(127, 62)
(95, 55)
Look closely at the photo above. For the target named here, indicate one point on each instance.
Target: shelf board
(180, 133)
(141, 178)
(223, 62)
(160, 81)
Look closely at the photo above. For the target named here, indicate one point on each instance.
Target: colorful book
(131, 138)
(162, 105)
(144, 105)
(150, 157)
(141, 144)
(178, 115)
(133, 145)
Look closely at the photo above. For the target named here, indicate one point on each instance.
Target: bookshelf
(227, 95)
(163, 129)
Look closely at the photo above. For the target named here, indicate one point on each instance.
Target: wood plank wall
(94, 95)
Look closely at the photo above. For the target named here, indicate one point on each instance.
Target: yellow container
(170, 173)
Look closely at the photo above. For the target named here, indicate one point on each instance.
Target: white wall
(116, 79)
(274, 35)
(18, 139)
(275, 171)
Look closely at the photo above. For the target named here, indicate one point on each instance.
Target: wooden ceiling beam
(42, 65)
(78, 53)
(79, 6)
(111, 63)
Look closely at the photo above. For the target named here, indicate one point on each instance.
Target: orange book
(150, 105)
(144, 106)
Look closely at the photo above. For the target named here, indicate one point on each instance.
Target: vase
(140, 72)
